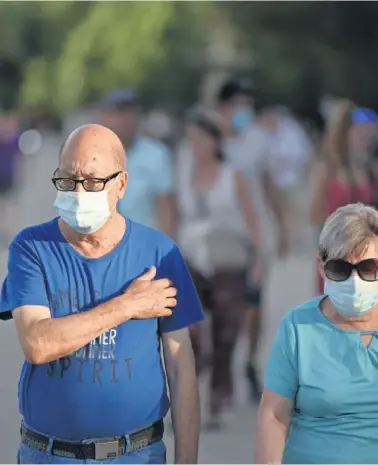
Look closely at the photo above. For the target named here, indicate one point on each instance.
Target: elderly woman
(320, 402)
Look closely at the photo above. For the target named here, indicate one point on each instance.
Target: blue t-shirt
(333, 379)
(149, 166)
(116, 384)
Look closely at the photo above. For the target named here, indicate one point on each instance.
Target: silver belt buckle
(106, 450)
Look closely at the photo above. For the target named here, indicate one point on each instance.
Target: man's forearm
(186, 416)
(52, 338)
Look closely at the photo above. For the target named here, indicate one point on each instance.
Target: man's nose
(79, 187)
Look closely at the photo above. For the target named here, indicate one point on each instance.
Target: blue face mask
(352, 297)
(241, 118)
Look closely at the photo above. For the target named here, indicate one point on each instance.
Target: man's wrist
(129, 306)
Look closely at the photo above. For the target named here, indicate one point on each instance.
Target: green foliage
(88, 48)
(176, 78)
(115, 43)
(72, 52)
(306, 49)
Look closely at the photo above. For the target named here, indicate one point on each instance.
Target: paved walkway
(289, 284)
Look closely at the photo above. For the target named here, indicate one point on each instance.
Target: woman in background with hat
(341, 176)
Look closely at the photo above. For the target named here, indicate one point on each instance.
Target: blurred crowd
(214, 180)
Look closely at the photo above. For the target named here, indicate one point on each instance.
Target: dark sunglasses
(340, 270)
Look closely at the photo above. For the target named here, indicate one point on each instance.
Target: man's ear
(124, 182)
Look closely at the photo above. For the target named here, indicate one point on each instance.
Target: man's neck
(99, 243)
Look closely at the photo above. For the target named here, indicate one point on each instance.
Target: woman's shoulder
(306, 313)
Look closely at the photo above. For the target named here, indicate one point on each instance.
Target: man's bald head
(92, 150)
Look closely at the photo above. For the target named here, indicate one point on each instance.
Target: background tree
(147, 45)
(308, 49)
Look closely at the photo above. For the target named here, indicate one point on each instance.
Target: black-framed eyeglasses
(89, 184)
(340, 270)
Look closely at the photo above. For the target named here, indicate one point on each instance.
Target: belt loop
(128, 444)
(50, 446)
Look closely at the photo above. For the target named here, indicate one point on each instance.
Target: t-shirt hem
(7, 314)
(183, 325)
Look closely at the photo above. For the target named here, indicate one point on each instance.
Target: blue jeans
(155, 453)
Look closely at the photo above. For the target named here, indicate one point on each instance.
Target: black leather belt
(100, 450)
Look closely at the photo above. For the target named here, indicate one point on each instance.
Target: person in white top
(218, 228)
(289, 166)
(248, 142)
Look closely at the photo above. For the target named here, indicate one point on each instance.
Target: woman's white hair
(348, 232)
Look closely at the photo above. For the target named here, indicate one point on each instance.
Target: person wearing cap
(363, 132)
(218, 228)
(341, 176)
(364, 143)
(248, 143)
(149, 197)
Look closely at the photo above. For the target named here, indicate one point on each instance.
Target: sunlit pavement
(289, 283)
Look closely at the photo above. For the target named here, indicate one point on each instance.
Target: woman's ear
(320, 264)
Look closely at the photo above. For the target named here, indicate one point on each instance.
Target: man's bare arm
(182, 380)
(44, 339)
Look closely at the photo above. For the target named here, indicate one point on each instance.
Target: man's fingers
(149, 275)
(170, 303)
(166, 312)
(163, 283)
(171, 292)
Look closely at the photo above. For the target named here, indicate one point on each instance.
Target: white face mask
(352, 297)
(85, 212)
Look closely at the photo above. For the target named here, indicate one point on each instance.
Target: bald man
(93, 296)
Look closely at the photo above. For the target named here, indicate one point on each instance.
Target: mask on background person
(241, 118)
(352, 297)
(85, 212)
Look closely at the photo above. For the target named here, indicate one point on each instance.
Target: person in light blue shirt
(96, 298)
(149, 197)
(320, 401)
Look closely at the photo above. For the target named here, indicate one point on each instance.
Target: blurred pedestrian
(320, 403)
(219, 231)
(289, 163)
(340, 177)
(248, 141)
(9, 170)
(149, 197)
(159, 125)
(91, 321)
(364, 144)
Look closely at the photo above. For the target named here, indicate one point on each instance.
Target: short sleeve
(24, 283)
(188, 309)
(163, 171)
(282, 370)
